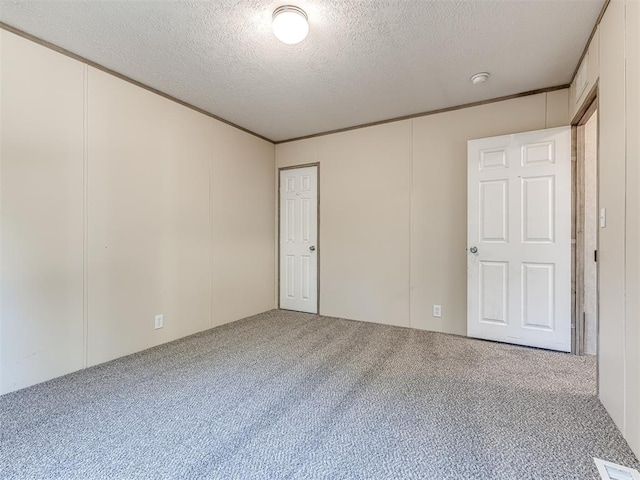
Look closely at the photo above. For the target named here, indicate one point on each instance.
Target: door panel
(494, 211)
(538, 296)
(519, 237)
(494, 287)
(538, 209)
(299, 239)
(538, 154)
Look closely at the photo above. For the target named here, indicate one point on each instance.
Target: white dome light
(290, 24)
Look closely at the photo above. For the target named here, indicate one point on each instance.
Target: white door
(299, 239)
(519, 239)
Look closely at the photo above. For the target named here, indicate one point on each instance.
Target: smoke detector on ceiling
(479, 78)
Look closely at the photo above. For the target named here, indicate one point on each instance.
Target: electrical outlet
(159, 322)
(437, 311)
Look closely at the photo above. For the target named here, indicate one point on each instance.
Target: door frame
(318, 249)
(583, 115)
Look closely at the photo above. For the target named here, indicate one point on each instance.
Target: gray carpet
(290, 395)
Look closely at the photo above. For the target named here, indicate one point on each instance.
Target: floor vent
(612, 471)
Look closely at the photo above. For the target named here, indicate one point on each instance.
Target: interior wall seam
(1, 310)
(211, 233)
(624, 253)
(85, 216)
(411, 160)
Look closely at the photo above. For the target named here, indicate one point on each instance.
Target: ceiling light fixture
(479, 78)
(290, 24)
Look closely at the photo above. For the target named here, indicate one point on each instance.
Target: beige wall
(393, 209)
(364, 216)
(617, 49)
(117, 205)
(632, 317)
(587, 75)
(612, 197)
(41, 229)
(149, 226)
(439, 198)
(243, 211)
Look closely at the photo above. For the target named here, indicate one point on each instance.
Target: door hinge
(595, 255)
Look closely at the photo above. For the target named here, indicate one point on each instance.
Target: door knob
(473, 249)
(312, 248)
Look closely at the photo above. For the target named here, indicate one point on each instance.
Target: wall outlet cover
(159, 322)
(437, 311)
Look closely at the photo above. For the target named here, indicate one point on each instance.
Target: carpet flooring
(289, 395)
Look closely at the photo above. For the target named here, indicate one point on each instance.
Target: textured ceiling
(363, 61)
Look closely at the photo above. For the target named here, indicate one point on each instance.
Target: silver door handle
(473, 249)
(312, 248)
